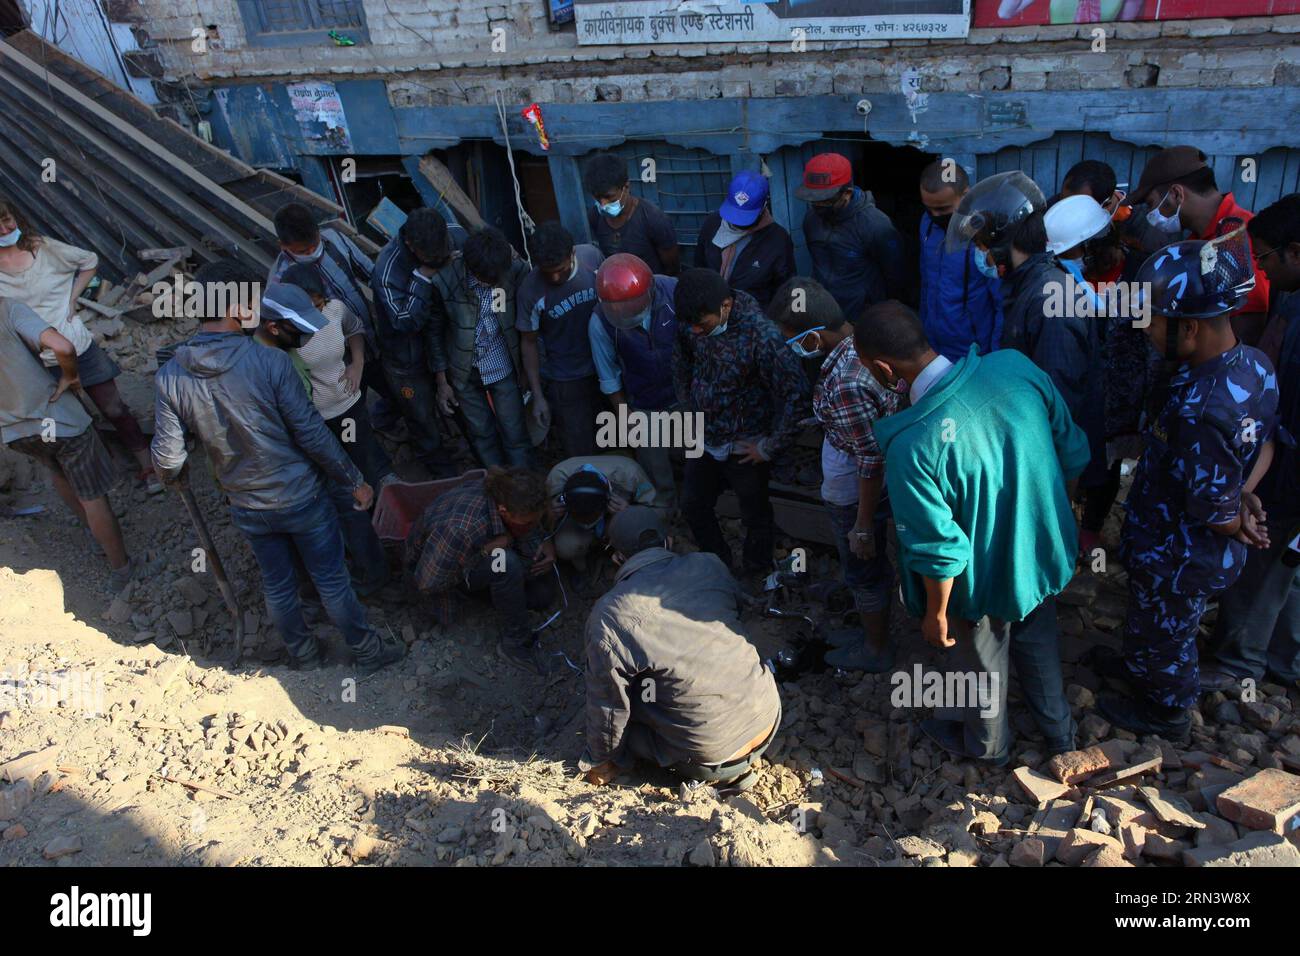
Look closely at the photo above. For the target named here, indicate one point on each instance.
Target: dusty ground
(150, 753)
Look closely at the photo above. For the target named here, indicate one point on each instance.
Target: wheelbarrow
(401, 503)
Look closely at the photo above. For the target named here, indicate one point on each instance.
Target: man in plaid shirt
(730, 364)
(847, 401)
(487, 536)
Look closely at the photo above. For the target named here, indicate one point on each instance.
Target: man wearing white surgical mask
(1180, 194)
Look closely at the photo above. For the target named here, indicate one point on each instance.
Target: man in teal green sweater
(979, 470)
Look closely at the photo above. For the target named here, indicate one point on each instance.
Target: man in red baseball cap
(1180, 193)
(857, 253)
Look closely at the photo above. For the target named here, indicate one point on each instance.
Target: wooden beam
(440, 178)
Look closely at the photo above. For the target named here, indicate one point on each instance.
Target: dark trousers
(703, 481)
(490, 426)
(871, 581)
(1258, 629)
(366, 551)
(1099, 498)
(363, 448)
(1032, 646)
(416, 397)
(514, 592)
(311, 533)
(573, 414)
(1160, 638)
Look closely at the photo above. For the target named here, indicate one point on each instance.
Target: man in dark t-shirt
(621, 222)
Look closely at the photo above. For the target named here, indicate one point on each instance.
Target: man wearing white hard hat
(1080, 235)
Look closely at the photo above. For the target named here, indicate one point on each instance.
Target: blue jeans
(870, 581)
(1258, 629)
(312, 531)
(366, 551)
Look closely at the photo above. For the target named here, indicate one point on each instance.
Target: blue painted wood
(952, 122)
(315, 176)
(572, 200)
(1277, 169)
(371, 122)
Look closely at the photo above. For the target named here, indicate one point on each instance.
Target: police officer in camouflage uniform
(1191, 513)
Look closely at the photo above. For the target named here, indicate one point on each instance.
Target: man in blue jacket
(961, 304)
(857, 254)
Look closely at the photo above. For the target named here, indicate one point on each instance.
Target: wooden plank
(441, 179)
(1268, 186)
(146, 145)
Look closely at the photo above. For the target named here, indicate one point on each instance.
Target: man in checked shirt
(487, 535)
(847, 400)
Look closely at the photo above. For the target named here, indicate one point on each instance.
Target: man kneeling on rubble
(671, 676)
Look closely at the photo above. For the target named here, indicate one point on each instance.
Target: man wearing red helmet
(632, 330)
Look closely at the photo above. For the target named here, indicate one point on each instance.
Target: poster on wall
(739, 21)
(1025, 13)
(319, 113)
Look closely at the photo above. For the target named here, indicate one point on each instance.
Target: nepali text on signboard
(692, 21)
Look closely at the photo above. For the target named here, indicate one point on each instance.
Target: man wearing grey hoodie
(271, 454)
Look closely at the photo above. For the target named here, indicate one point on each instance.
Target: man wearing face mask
(1257, 633)
(554, 308)
(730, 363)
(1179, 193)
(847, 401)
(1002, 216)
(632, 331)
(291, 320)
(1191, 513)
(979, 471)
(857, 254)
(960, 305)
(621, 222)
(1079, 235)
(743, 244)
(274, 459)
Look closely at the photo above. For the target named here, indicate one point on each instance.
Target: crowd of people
(987, 422)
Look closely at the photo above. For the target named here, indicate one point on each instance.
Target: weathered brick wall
(436, 52)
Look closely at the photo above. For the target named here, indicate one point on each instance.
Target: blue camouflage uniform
(1199, 453)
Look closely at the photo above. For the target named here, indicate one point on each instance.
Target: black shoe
(520, 653)
(1213, 679)
(860, 657)
(313, 661)
(390, 651)
(951, 736)
(1144, 718)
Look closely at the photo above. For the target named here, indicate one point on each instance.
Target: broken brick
(1254, 849)
(1108, 856)
(1167, 811)
(1134, 839)
(1078, 844)
(1269, 800)
(1163, 849)
(1076, 765)
(1028, 852)
(1039, 787)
